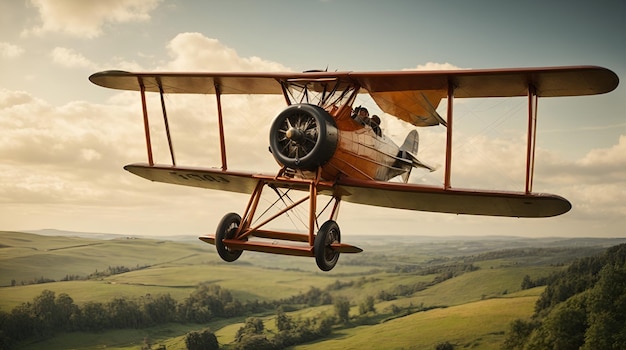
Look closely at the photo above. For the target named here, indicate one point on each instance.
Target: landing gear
(237, 233)
(325, 256)
(227, 229)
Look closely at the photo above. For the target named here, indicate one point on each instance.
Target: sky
(64, 140)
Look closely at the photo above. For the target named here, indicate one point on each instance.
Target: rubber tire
(325, 257)
(325, 144)
(226, 229)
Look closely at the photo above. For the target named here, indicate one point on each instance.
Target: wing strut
(146, 124)
(220, 122)
(167, 124)
(532, 137)
(446, 184)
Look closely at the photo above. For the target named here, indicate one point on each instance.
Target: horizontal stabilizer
(409, 149)
(419, 164)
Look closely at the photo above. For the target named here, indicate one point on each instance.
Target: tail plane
(408, 151)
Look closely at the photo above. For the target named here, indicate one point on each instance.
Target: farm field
(425, 291)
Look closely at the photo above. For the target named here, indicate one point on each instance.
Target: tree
(444, 346)
(583, 307)
(44, 309)
(252, 326)
(283, 322)
(204, 340)
(93, 317)
(205, 303)
(563, 328)
(21, 324)
(124, 313)
(607, 311)
(161, 309)
(342, 309)
(527, 283)
(518, 333)
(255, 342)
(367, 306)
(66, 313)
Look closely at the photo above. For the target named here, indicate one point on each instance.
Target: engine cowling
(303, 136)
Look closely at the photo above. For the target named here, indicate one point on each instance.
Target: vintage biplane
(324, 148)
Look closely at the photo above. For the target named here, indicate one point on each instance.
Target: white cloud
(70, 58)
(13, 99)
(8, 50)
(71, 155)
(599, 180)
(74, 153)
(614, 157)
(86, 19)
(64, 153)
(436, 66)
(194, 51)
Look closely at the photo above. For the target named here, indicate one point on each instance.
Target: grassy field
(476, 325)
(471, 310)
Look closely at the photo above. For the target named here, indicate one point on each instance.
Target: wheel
(325, 257)
(303, 136)
(226, 229)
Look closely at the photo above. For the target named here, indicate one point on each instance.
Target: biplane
(325, 147)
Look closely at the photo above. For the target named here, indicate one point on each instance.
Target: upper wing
(205, 83)
(412, 96)
(189, 83)
(384, 194)
(548, 81)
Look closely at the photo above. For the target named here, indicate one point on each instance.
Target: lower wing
(375, 193)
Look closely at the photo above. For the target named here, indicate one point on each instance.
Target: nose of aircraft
(294, 134)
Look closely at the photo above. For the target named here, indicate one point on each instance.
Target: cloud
(435, 66)
(12, 99)
(595, 183)
(86, 19)
(59, 154)
(8, 50)
(194, 51)
(71, 155)
(70, 58)
(608, 159)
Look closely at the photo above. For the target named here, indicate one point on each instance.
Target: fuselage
(362, 154)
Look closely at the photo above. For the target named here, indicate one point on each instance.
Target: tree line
(109, 271)
(290, 331)
(48, 313)
(582, 307)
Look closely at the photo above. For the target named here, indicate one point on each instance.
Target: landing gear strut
(235, 233)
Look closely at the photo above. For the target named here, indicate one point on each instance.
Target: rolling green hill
(426, 290)
(476, 325)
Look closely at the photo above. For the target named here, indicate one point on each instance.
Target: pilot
(375, 124)
(361, 115)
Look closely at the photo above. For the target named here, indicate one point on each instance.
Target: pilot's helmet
(375, 119)
(358, 111)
